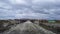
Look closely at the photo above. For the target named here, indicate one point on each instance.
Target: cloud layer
(32, 9)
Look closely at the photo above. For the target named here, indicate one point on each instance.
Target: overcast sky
(34, 9)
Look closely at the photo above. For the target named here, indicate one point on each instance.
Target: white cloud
(17, 1)
(44, 1)
(5, 6)
(39, 9)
